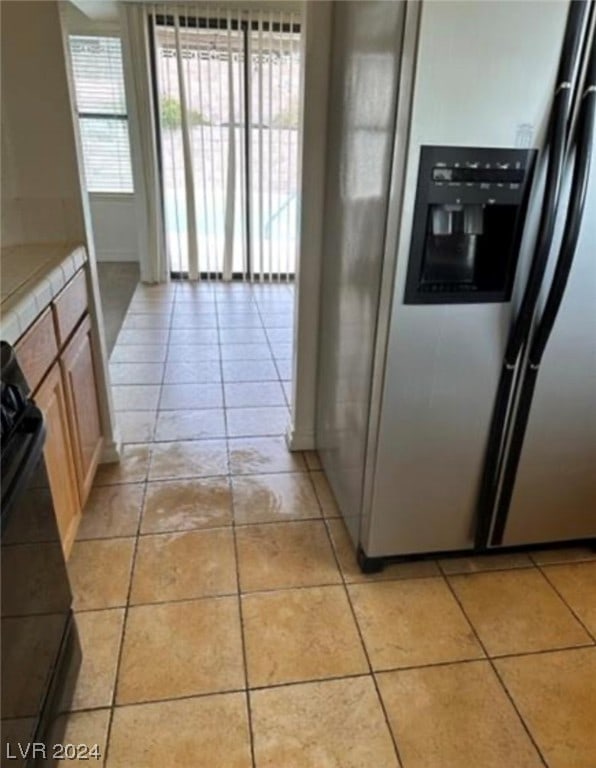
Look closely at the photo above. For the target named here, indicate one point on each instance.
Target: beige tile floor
(223, 618)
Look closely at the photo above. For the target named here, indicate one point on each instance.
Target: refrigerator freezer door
(554, 497)
(363, 87)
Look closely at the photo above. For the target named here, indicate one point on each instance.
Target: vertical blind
(101, 106)
(228, 85)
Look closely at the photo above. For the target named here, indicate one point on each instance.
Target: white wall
(316, 53)
(40, 184)
(116, 226)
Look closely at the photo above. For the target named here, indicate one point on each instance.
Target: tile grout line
(222, 385)
(234, 526)
(172, 478)
(572, 610)
(208, 408)
(237, 568)
(131, 577)
(371, 673)
(587, 558)
(272, 358)
(280, 381)
(532, 565)
(226, 692)
(500, 569)
(291, 683)
(175, 478)
(218, 595)
(495, 671)
(243, 643)
(203, 480)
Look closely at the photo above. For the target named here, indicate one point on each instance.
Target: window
(101, 107)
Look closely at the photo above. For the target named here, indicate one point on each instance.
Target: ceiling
(107, 10)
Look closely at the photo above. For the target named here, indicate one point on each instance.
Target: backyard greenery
(171, 114)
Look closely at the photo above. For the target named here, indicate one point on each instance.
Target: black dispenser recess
(468, 220)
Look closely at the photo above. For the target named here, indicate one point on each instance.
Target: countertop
(32, 274)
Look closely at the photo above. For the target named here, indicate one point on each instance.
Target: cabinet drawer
(70, 305)
(37, 349)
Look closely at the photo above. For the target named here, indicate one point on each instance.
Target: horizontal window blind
(101, 107)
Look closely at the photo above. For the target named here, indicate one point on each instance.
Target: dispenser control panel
(477, 175)
(468, 220)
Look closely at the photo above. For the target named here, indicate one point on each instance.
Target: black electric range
(40, 652)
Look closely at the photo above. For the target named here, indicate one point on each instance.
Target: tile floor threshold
(273, 648)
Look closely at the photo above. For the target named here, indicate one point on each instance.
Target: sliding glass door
(227, 88)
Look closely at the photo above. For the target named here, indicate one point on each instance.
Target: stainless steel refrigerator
(456, 403)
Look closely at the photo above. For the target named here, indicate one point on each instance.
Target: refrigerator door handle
(573, 221)
(575, 212)
(557, 151)
(522, 324)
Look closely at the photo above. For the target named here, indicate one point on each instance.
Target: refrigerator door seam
(517, 342)
(544, 327)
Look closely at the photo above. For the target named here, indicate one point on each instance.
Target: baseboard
(116, 256)
(300, 441)
(111, 452)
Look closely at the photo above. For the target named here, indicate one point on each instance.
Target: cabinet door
(51, 400)
(83, 411)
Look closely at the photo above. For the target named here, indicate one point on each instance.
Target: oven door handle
(33, 426)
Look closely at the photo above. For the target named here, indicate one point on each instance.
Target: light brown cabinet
(81, 392)
(57, 357)
(69, 306)
(37, 349)
(51, 400)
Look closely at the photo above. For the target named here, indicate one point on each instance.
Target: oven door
(39, 654)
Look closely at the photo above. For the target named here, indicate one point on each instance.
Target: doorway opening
(227, 91)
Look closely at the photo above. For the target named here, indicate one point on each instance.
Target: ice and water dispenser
(468, 221)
